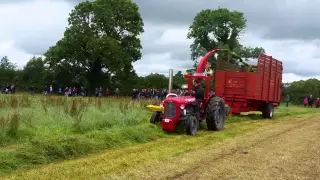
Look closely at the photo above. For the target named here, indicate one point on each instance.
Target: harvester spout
(203, 62)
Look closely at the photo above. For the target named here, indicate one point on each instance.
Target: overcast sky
(288, 30)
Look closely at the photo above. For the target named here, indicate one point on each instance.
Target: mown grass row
(41, 130)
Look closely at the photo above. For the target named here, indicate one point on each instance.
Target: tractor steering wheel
(188, 93)
(171, 95)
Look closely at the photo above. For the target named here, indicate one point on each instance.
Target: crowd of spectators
(151, 93)
(308, 101)
(154, 93)
(7, 88)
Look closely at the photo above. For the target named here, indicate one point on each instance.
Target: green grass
(40, 130)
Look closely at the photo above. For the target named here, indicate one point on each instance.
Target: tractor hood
(181, 100)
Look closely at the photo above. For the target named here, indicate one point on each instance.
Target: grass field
(40, 130)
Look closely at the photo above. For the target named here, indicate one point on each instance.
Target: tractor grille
(170, 110)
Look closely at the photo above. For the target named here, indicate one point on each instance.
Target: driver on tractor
(198, 93)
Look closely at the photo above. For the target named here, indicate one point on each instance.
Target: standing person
(287, 100)
(70, 91)
(45, 91)
(310, 101)
(66, 91)
(73, 92)
(198, 93)
(13, 88)
(59, 91)
(107, 92)
(82, 91)
(9, 89)
(97, 92)
(51, 90)
(117, 92)
(317, 102)
(100, 92)
(32, 90)
(305, 101)
(133, 94)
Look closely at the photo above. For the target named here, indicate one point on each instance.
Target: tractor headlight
(182, 106)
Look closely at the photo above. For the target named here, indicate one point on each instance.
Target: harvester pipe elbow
(203, 62)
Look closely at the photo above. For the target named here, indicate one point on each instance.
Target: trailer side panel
(269, 73)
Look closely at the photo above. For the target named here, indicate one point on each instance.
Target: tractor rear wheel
(215, 114)
(155, 117)
(268, 111)
(192, 125)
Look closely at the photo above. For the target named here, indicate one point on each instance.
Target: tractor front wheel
(215, 114)
(192, 125)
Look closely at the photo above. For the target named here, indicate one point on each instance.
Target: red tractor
(238, 90)
(183, 111)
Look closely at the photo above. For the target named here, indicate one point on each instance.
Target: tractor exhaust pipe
(170, 80)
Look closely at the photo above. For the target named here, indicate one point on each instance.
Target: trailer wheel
(215, 114)
(268, 111)
(155, 117)
(191, 125)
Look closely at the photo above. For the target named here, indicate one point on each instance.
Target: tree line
(101, 42)
(298, 90)
(36, 74)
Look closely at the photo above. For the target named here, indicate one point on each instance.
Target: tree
(219, 28)
(5, 64)
(8, 73)
(34, 73)
(299, 89)
(100, 44)
(178, 80)
(158, 81)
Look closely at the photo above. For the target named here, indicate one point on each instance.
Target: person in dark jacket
(31, 90)
(198, 93)
(198, 90)
(287, 100)
(310, 101)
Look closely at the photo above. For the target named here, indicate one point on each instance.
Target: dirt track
(289, 150)
(291, 153)
(279, 149)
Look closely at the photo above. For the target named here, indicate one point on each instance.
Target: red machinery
(242, 91)
(252, 91)
(183, 111)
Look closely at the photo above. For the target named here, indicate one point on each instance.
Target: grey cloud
(38, 44)
(304, 70)
(268, 19)
(178, 52)
(274, 19)
(35, 47)
(150, 43)
(14, 1)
